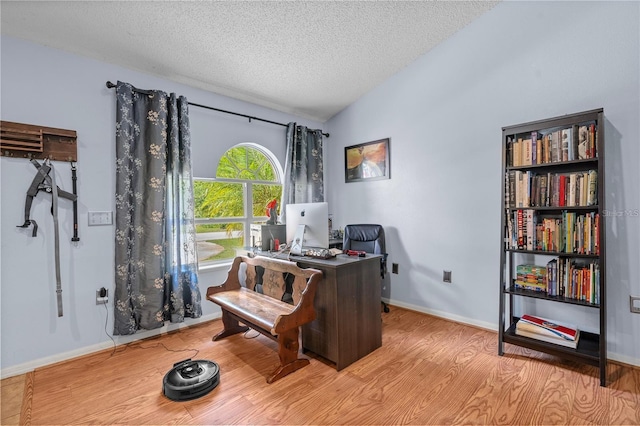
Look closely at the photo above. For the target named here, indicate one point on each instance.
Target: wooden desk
(349, 323)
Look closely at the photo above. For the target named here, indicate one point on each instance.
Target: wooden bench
(258, 304)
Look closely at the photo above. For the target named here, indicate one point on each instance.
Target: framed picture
(367, 161)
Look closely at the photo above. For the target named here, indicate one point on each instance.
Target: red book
(560, 330)
(592, 141)
(520, 225)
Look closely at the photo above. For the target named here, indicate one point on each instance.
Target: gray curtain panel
(303, 169)
(155, 260)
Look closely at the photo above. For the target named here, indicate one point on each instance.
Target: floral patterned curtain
(303, 169)
(155, 256)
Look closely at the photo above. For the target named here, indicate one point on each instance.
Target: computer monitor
(307, 226)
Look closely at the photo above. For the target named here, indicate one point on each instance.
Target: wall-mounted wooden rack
(39, 142)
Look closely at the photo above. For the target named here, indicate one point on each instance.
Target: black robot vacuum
(190, 379)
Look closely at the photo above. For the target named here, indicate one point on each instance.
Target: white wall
(56, 89)
(520, 62)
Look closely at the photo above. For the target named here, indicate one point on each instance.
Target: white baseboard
(120, 340)
(445, 315)
(491, 326)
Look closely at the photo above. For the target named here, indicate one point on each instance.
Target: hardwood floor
(428, 371)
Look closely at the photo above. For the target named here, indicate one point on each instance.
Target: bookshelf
(553, 211)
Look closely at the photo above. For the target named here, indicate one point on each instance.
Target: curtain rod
(110, 85)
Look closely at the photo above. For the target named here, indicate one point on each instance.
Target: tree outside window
(247, 179)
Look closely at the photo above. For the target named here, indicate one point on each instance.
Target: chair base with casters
(368, 238)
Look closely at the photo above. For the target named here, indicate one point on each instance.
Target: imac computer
(307, 226)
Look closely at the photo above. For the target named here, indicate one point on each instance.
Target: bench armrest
(231, 283)
(304, 311)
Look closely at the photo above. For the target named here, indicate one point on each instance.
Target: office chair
(370, 239)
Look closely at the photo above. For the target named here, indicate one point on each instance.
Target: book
(531, 328)
(562, 342)
(567, 144)
(552, 284)
(530, 226)
(528, 152)
(556, 148)
(583, 142)
(592, 151)
(523, 285)
(545, 325)
(521, 229)
(592, 188)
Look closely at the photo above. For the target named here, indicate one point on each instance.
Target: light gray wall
(56, 89)
(444, 114)
(520, 62)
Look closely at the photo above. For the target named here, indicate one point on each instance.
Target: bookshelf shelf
(553, 212)
(557, 208)
(564, 165)
(542, 295)
(588, 350)
(554, 253)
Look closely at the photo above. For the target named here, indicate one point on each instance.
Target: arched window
(248, 176)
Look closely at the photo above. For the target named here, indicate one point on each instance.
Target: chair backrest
(364, 237)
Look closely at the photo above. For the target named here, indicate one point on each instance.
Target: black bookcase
(551, 209)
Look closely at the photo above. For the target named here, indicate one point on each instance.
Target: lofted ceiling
(309, 58)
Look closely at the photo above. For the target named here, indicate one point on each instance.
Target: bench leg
(231, 326)
(288, 346)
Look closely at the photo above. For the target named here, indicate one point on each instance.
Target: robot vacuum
(190, 379)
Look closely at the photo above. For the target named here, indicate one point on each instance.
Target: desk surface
(334, 262)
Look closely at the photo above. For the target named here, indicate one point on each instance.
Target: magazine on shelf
(545, 338)
(547, 327)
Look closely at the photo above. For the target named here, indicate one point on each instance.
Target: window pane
(242, 162)
(218, 199)
(262, 195)
(218, 241)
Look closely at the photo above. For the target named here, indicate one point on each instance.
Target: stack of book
(548, 331)
(531, 277)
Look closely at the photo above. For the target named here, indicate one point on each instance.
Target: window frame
(247, 192)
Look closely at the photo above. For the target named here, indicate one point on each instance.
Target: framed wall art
(367, 161)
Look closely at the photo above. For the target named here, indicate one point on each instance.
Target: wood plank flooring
(428, 371)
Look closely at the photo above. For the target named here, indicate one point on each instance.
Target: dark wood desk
(349, 323)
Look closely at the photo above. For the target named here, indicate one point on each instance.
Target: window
(247, 178)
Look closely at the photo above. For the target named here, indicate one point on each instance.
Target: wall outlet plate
(100, 218)
(634, 302)
(446, 276)
(102, 296)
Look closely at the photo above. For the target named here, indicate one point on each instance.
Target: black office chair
(370, 239)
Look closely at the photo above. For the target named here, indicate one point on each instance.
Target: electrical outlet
(394, 268)
(634, 301)
(102, 296)
(446, 276)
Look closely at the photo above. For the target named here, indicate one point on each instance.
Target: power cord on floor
(139, 343)
(251, 337)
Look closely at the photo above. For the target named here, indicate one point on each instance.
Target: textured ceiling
(310, 58)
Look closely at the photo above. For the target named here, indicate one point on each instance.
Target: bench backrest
(275, 275)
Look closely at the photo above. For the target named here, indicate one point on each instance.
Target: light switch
(100, 218)
(635, 304)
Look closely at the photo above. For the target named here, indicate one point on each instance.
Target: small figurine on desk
(272, 212)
